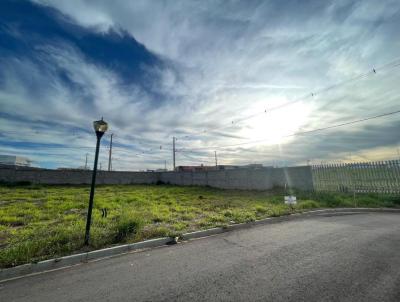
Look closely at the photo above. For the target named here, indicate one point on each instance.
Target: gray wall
(295, 177)
(52, 177)
(252, 179)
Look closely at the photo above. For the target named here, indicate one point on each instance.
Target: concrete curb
(67, 261)
(270, 220)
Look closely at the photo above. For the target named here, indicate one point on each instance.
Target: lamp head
(100, 127)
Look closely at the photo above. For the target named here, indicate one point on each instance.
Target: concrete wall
(251, 179)
(53, 177)
(295, 177)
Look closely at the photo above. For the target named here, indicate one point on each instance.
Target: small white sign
(290, 199)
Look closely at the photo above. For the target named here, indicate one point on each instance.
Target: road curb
(270, 220)
(67, 261)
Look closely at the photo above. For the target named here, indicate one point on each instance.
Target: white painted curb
(67, 261)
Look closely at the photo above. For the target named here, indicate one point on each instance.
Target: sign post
(290, 200)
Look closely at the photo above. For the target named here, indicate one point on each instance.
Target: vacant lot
(40, 222)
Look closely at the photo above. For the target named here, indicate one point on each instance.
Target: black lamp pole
(99, 134)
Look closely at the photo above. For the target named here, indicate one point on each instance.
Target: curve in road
(339, 258)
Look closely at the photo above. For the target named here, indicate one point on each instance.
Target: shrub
(154, 232)
(128, 224)
(261, 210)
(307, 204)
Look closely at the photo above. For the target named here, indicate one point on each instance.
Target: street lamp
(100, 127)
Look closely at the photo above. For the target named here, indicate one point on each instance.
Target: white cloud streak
(233, 59)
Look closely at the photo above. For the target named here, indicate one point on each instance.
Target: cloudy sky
(243, 78)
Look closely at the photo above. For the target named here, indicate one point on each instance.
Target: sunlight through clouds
(202, 71)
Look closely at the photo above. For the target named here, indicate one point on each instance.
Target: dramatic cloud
(198, 70)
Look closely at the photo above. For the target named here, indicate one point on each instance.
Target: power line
(196, 160)
(226, 146)
(392, 64)
(298, 133)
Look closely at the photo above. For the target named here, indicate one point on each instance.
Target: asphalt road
(338, 258)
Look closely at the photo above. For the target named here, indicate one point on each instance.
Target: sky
(246, 79)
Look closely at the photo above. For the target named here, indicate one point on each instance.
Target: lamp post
(100, 127)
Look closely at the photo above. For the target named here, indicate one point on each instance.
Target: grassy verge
(41, 222)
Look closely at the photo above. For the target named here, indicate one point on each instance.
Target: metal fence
(367, 177)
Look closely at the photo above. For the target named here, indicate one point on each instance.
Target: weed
(128, 224)
(38, 222)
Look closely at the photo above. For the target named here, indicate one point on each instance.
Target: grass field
(41, 222)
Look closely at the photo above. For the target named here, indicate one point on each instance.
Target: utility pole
(100, 167)
(173, 150)
(86, 161)
(216, 160)
(165, 165)
(109, 154)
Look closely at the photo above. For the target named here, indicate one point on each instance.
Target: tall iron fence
(367, 177)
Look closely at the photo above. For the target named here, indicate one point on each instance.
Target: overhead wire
(392, 64)
(296, 133)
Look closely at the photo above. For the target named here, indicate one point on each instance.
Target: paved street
(339, 258)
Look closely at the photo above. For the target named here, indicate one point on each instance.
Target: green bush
(128, 224)
(307, 204)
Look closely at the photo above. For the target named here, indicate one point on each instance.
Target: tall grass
(41, 222)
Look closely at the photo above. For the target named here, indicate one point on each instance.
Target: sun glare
(274, 126)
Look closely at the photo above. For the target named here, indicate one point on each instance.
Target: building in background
(71, 169)
(13, 160)
(203, 168)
